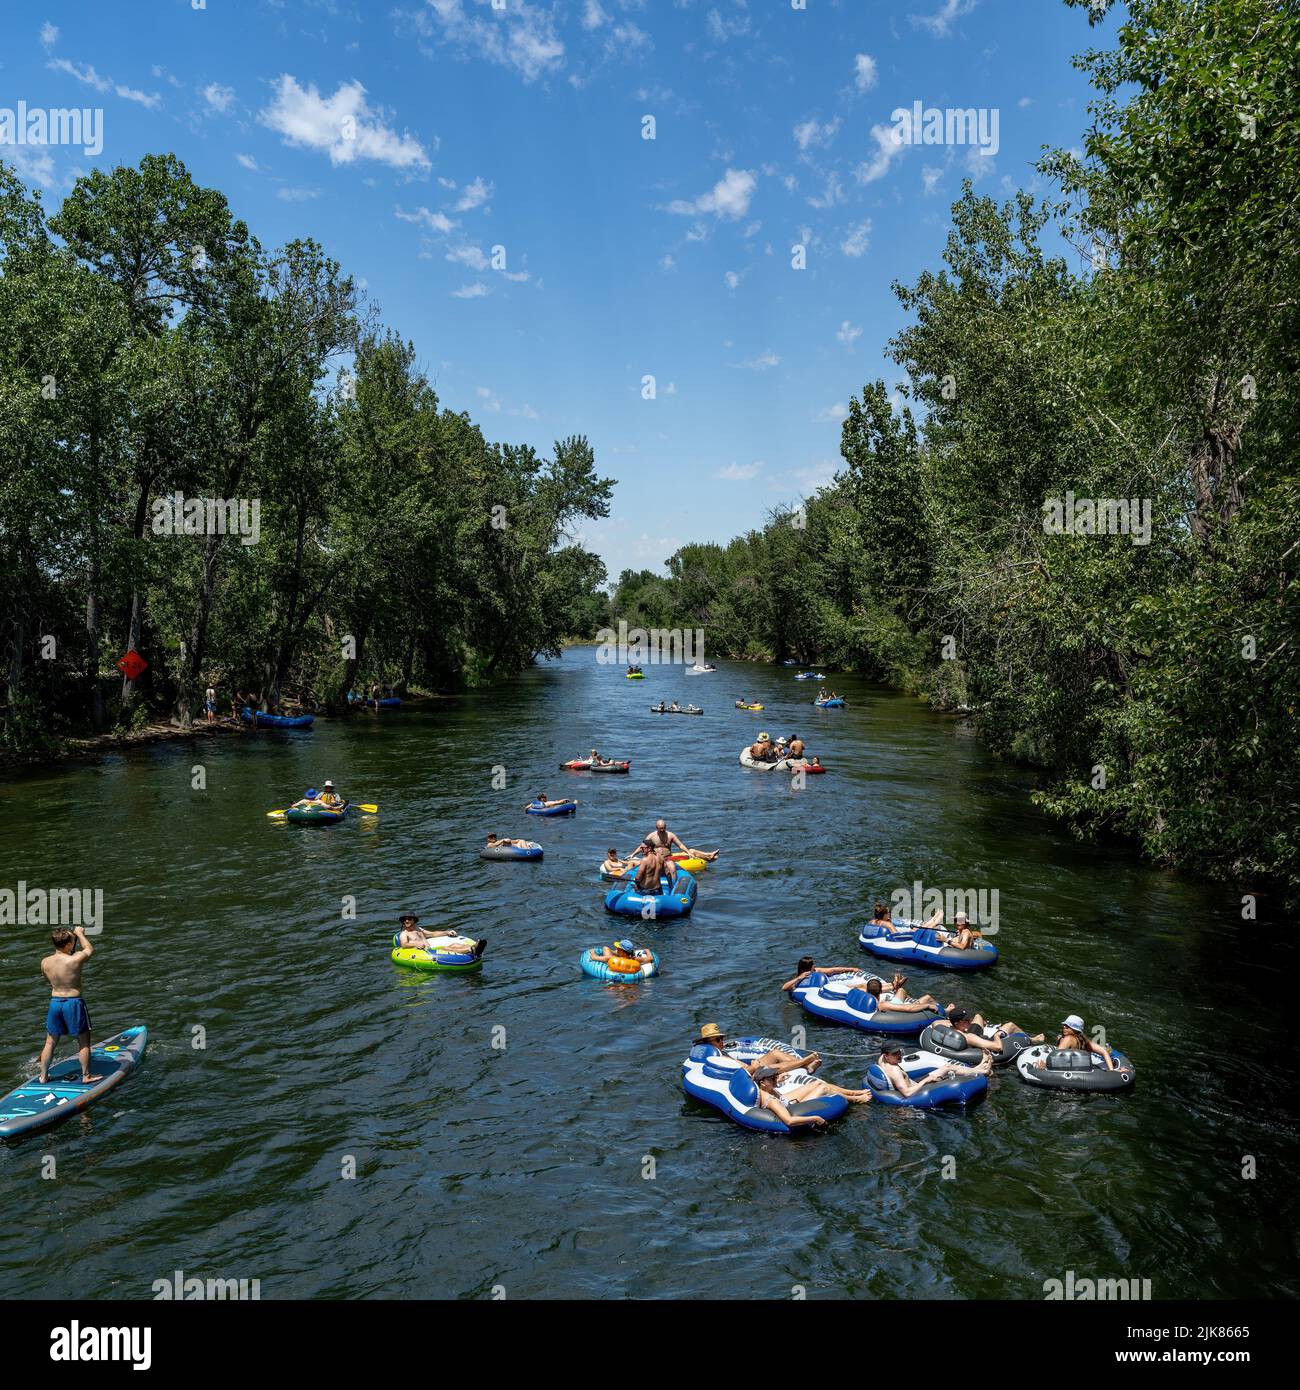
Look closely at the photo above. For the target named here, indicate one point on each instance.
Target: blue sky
(411, 140)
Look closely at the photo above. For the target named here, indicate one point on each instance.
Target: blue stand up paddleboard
(32, 1107)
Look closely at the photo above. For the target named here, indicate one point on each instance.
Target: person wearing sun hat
(1073, 1039)
(417, 938)
(711, 1036)
(625, 949)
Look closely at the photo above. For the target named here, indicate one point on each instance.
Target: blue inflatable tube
(837, 703)
(957, 1090)
(510, 852)
(628, 900)
(917, 945)
(599, 970)
(810, 676)
(844, 999)
(565, 808)
(719, 1079)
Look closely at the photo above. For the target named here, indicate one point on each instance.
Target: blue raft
(600, 969)
(836, 703)
(628, 900)
(565, 808)
(510, 852)
(918, 945)
(276, 721)
(844, 999)
(719, 1079)
(957, 1090)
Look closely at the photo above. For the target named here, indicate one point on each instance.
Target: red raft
(586, 765)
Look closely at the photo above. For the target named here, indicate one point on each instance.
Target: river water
(311, 1116)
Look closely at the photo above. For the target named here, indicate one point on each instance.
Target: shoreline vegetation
(1079, 510)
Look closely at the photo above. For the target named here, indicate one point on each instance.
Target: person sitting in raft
(806, 967)
(1072, 1039)
(985, 1036)
(540, 800)
(596, 758)
(796, 746)
(963, 936)
(418, 939)
(892, 1054)
(613, 865)
(895, 1000)
(880, 915)
(656, 865)
(495, 841)
(711, 1036)
(795, 1089)
(622, 950)
(329, 797)
(663, 838)
(768, 1099)
(675, 707)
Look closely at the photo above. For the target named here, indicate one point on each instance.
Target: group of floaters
(324, 807)
(768, 1086)
(783, 755)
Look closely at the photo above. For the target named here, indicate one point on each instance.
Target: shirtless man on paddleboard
(68, 1014)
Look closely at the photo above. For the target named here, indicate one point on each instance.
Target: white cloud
(474, 195)
(31, 166)
(864, 72)
(739, 472)
(730, 197)
(488, 399)
(474, 291)
(930, 176)
(831, 413)
(593, 16)
(342, 125)
(888, 147)
(856, 241)
(218, 97)
(1025, 101)
(297, 195)
(732, 279)
(810, 133)
(468, 255)
(724, 29)
(91, 78)
(666, 262)
(522, 38)
(249, 163)
(49, 35)
(940, 23)
(762, 362)
(848, 334)
(435, 221)
(832, 194)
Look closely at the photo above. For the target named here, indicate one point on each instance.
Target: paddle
(368, 807)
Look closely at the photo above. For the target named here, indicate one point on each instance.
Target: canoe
(31, 1106)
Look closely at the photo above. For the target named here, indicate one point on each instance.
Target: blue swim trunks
(67, 1016)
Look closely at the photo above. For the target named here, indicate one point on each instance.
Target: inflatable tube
(957, 1090)
(683, 862)
(844, 999)
(415, 958)
(627, 900)
(837, 703)
(635, 675)
(586, 765)
(740, 706)
(654, 709)
(945, 1041)
(1073, 1071)
(921, 946)
(780, 765)
(810, 676)
(806, 767)
(719, 1079)
(701, 670)
(565, 808)
(529, 851)
(613, 975)
(276, 721)
(316, 815)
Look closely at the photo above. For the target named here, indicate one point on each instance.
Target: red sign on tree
(132, 665)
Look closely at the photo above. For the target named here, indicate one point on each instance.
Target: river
(313, 1117)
